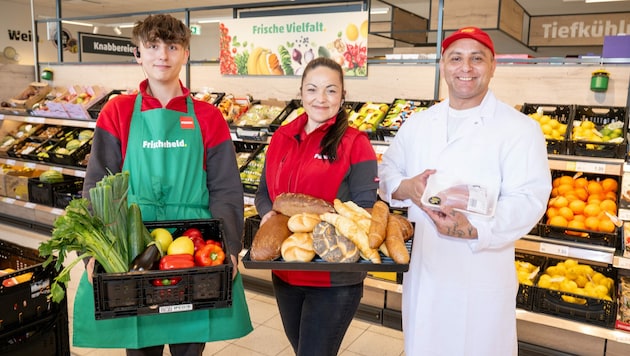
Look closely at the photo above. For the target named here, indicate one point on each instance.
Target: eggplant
(147, 260)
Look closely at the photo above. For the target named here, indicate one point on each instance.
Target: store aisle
(268, 339)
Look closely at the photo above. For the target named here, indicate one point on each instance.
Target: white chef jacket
(459, 296)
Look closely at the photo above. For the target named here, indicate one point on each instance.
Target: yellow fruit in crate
(181, 245)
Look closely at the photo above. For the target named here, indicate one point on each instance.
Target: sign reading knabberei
(103, 44)
(577, 30)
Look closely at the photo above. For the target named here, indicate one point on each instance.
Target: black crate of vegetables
(145, 292)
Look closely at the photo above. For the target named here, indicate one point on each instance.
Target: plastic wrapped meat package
(467, 197)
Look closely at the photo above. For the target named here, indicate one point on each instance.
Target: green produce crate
(133, 293)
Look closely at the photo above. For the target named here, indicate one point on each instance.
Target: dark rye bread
(268, 240)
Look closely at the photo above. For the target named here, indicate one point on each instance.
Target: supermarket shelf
(51, 121)
(42, 215)
(574, 326)
(597, 165)
(540, 245)
(71, 171)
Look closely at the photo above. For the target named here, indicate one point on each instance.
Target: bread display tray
(318, 264)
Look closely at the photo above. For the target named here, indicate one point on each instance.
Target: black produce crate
(74, 157)
(594, 311)
(564, 115)
(399, 112)
(601, 116)
(44, 193)
(47, 336)
(213, 98)
(318, 264)
(256, 131)
(26, 302)
(96, 108)
(251, 149)
(526, 293)
(252, 224)
(608, 239)
(133, 293)
(292, 106)
(62, 197)
(25, 149)
(360, 118)
(250, 173)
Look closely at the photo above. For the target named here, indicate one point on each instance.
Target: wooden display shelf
(70, 171)
(50, 121)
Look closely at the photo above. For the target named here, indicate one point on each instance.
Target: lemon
(364, 29)
(352, 32)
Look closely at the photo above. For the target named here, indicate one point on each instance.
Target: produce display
(306, 227)
(584, 204)
(232, 108)
(368, 116)
(400, 110)
(552, 127)
(580, 279)
(586, 130)
(259, 115)
(250, 175)
(526, 272)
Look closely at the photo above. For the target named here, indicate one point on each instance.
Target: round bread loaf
(332, 247)
(298, 247)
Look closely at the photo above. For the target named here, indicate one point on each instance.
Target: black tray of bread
(318, 264)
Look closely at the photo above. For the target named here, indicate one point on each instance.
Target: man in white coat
(459, 296)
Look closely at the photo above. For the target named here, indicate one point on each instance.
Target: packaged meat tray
(467, 197)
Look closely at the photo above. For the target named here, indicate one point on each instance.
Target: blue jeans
(315, 319)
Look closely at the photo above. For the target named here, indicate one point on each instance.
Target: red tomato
(193, 233)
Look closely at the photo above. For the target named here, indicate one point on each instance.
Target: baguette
(378, 224)
(395, 243)
(405, 225)
(348, 228)
(303, 222)
(268, 240)
(296, 203)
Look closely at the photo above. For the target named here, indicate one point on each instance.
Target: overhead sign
(283, 45)
(107, 45)
(577, 30)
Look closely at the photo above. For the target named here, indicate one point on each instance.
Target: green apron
(168, 182)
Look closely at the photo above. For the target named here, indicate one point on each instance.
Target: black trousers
(194, 349)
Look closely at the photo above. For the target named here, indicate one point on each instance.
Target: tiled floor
(267, 339)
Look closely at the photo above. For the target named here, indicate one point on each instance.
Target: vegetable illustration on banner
(283, 45)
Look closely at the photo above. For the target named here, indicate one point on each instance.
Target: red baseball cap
(474, 33)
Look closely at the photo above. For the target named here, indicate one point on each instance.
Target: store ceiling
(77, 8)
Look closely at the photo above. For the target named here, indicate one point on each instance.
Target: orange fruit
(575, 224)
(556, 182)
(579, 217)
(609, 185)
(565, 180)
(577, 206)
(559, 202)
(610, 195)
(580, 182)
(581, 193)
(566, 213)
(591, 223)
(592, 210)
(609, 206)
(595, 198)
(564, 189)
(558, 221)
(551, 212)
(605, 225)
(594, 187)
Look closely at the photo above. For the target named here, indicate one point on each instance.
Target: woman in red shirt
(320, 155)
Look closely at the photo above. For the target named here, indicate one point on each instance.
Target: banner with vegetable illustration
(283, 45)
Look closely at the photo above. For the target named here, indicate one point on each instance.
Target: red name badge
(186, 122)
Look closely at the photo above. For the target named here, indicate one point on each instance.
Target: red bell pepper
(196, 236)
(177, 261)
(210, 255)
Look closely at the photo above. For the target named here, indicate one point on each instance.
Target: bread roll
(298, 247)
(303, 222)
(296, 203)
(332, 247)
(405, 225)
(269, 237)
(395, 244)
(378, 224)
(348, 228)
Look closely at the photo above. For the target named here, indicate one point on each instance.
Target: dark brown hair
(331, 140)
(161, 27)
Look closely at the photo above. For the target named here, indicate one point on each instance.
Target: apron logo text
(163, 144)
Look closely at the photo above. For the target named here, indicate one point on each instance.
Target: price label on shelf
(11, 162)
(624, 262)
(79, 173)
(35, 120)
(589, 167)
(56, 211)
(30, 205)
(553, 249)
(58, 169)
(30, 165)
(8, 200)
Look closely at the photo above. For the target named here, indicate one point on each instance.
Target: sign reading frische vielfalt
(577, 30)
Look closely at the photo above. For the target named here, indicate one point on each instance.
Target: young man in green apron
(182, 166)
